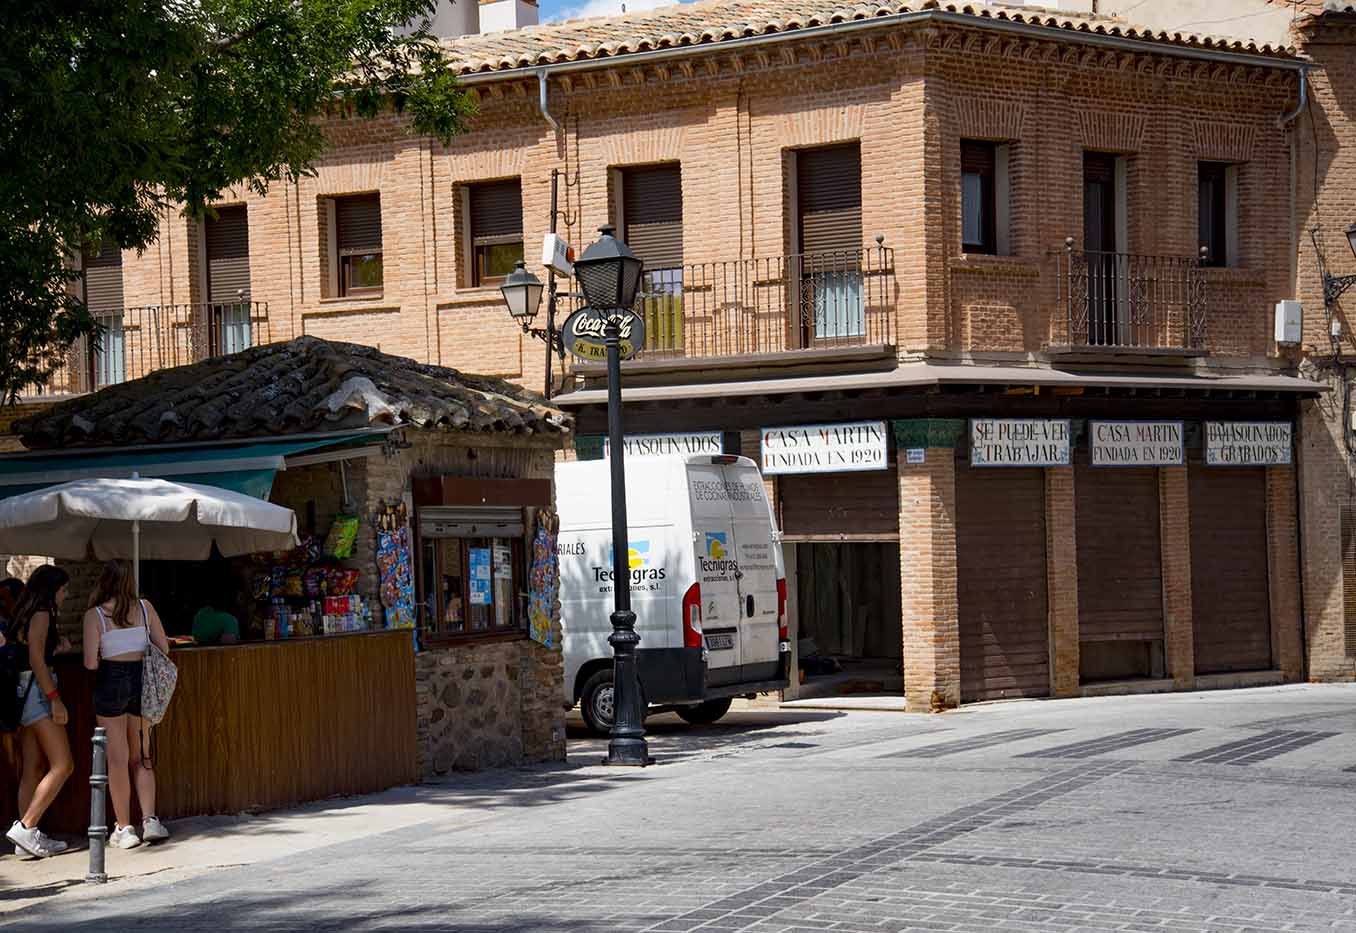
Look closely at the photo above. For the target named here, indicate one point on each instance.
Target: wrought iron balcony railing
(133, 342)
(769, 305)
(1124, 301)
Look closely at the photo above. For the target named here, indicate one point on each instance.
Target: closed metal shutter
(103, 279)
(1120, 577)
(829, 196)
(1001, 583)
(1230, 599)
(228, 255)
(358, 223)
(1348, 518)
(652, 205)
(497, 211)
(863, 506)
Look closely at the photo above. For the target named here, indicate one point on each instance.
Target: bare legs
(44, 741)
(127, 736)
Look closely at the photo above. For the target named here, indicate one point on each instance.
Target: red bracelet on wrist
(52, 696)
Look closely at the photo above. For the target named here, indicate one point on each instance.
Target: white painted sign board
(824, 448)
(1137, 443)
(1248, 443)
(658, 445)
(1016, 442)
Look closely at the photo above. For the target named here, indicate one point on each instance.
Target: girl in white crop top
(118, 627)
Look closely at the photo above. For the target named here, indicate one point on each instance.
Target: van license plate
(722, 642)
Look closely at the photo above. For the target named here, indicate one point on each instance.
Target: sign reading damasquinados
(1028, 442)
(824, 448)
(1247, 443)
(1136, 443)
(584, 334)
(657, 445)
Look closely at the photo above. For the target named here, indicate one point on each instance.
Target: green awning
(245, 467)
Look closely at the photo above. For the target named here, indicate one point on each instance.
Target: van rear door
(757, 555)
(713, 542)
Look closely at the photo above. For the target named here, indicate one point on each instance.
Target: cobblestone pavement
(1212, 811)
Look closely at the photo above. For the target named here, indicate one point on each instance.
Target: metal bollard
(98, 819)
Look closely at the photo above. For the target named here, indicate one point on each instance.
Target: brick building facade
(928, 222)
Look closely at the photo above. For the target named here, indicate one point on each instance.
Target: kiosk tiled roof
(303, 386)
(711, 22)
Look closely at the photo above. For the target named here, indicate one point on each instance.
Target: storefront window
(471, 586)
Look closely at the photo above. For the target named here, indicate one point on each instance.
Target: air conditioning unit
(1289, 322)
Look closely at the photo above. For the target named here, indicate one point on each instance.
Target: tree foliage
(113, 112)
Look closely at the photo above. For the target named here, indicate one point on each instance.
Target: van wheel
(597, 703)
(703, 714)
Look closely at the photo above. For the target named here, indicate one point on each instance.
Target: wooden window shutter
(1348, 519)
(497, 212)
(652, 205)
(358, 223)
(228, 255)
(829, 192)
(103, 279)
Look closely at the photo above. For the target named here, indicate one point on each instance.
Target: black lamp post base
(629, 753)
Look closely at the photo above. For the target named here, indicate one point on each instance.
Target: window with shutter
(829, 192)
(1348, 520)
(978, 207)
(1213, 212)
(652, 211)
(496, 229)
(228, 255)
(103, 279)
(357, 233)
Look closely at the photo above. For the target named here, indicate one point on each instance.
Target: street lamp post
(1334, 286)
(609, 276)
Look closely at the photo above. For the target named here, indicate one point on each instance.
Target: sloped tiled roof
(710, 22)
(303, 386)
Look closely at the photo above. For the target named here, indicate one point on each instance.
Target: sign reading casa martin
(584, 334)
(658, 445)
(824, 448)
(1039, 442)
(1247, 443)
(1136, 443)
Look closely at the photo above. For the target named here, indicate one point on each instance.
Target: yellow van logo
(716, 546)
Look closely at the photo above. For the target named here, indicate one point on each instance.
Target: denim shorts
(117, 689)
(36, 707)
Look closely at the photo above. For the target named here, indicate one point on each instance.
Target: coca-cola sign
(585, 333)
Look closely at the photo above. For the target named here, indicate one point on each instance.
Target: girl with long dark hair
(45, 747)
(118, 627)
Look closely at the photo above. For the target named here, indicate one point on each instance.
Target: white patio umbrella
(136, 518)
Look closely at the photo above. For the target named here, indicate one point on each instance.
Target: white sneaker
(124, 837)
(28, 841)
(56, 845)
(152, 830)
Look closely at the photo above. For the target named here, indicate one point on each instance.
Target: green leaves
(116, 112)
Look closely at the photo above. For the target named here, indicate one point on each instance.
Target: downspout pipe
(1286, 119)
(545, 105)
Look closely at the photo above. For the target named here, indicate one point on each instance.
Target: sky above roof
(556, 10)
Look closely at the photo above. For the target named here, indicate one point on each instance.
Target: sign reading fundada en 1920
(1032, 442)
(585, 330)
(1136, 443)
(824, 448)
(1247, 443)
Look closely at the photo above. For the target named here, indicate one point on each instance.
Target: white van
(707, 584)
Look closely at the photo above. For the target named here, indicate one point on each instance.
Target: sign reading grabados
(824, 448)
(584, 334)
(658, 445)
(1029, 442)
(1247, 443)
(1136, 443)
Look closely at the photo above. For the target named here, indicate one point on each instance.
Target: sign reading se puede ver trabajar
(1028, 442)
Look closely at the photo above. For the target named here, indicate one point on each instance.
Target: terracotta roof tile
(306, 385)
(709, 22)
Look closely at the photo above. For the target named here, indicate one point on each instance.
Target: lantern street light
(1334, 286)
(609, 275)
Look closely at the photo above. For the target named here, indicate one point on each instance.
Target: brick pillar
(1174, 532)
(1324, 478)
(1283, 571)
(927, 563)
(1061, 563)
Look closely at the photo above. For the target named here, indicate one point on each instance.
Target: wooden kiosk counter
(258, 726)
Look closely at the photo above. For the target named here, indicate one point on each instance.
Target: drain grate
(1108, 743)
(1257, 748)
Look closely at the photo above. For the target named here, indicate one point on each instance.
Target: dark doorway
(1100, 244)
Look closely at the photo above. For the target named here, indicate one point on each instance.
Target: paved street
(1207, 811)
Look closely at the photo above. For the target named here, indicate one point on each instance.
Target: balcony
(134, 342)
(795, 306)
(1115, 303)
